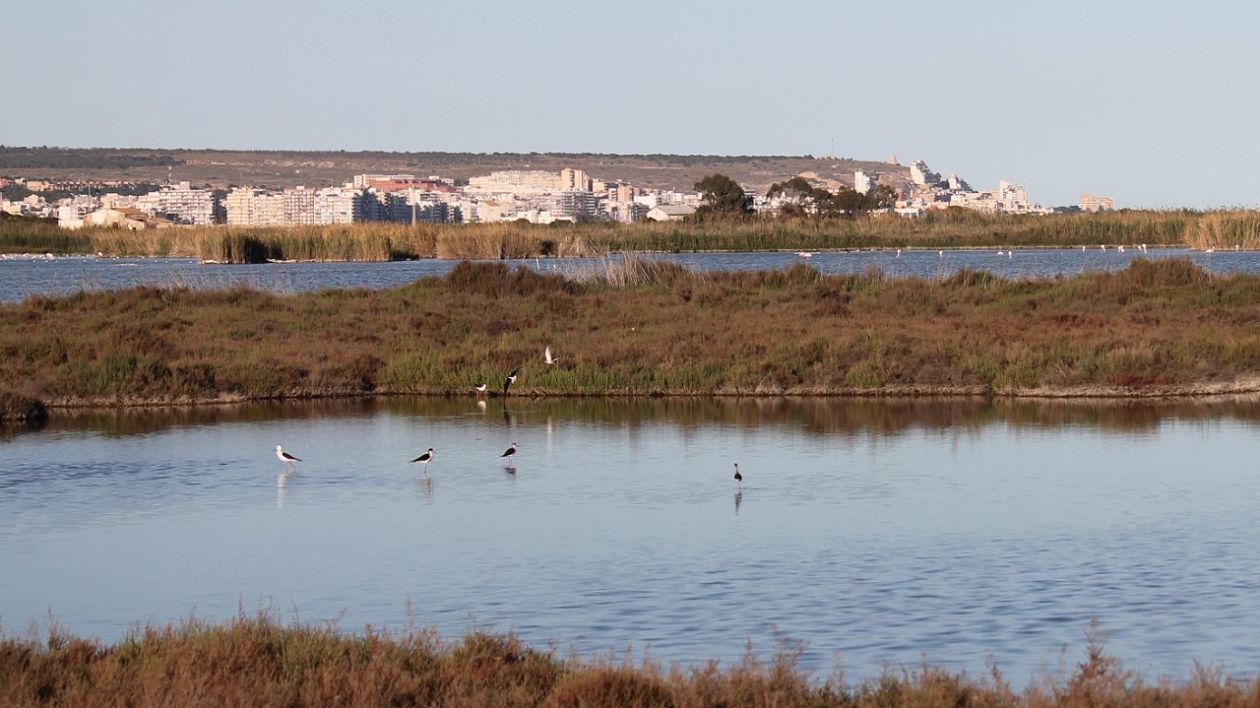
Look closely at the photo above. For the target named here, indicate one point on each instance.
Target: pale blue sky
(1151, 102)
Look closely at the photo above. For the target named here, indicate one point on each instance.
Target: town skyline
(1076, 97)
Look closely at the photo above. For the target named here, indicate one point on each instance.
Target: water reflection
(818, 416)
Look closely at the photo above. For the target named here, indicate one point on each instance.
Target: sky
(1153, 103)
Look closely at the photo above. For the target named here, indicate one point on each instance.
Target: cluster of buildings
(929, 190)
(535, 196)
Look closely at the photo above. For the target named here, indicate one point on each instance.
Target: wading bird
(739, 478)
(509, 454)
(511, 379)
(481, 388)
(425, 459)
(548, 359)
(287, 459)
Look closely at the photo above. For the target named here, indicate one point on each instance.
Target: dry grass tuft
(258, 661)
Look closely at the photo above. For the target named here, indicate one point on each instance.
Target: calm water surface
(873, 532)
(21, 277)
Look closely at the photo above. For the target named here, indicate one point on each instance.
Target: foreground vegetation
(954, 228)
(637, 327)
(259, 661)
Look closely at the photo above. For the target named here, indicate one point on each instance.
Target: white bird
(481, 388)
(1010, 255)
(940, 254)
(739, 478)
(425, 459)
(509, 453)
(899, 253)
(1143, 248)
(1082, 249)
(1121, 247)
(287, 459)
(547, 358)
(1001, 253)
(1103, 246)
(804, 254)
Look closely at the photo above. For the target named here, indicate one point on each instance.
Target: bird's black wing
(422, 458)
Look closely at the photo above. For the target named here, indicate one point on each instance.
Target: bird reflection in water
(426, 484)
(739, 499)
(282, 490)
(507, 416)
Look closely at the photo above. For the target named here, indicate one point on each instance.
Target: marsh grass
(953, 228)
(634, 327)
(259, 661)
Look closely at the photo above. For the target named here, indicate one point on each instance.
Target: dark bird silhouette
(511, 379)
(739, 478)
(509, 453)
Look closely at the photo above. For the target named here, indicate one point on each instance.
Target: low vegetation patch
(21, 409)
(952, 228)
(635, 327)
(259, 661)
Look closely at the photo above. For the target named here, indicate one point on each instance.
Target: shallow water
(23, 277)
(873, 531)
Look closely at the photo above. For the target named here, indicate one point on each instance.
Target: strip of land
(639, 328)
(258, 661)
(953, 228)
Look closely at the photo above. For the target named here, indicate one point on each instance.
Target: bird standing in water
(509, 453)
(425, 459)
(287, 459)
(739, 478)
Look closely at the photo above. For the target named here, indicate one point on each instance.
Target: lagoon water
(875, 532)
(22, 277)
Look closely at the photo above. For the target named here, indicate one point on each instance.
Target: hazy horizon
(1146, 103)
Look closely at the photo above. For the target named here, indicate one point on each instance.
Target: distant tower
(893, 160)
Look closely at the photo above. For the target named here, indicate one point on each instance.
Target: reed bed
(259, 661)
(1225, 231)
(631, 327)
(954, 228)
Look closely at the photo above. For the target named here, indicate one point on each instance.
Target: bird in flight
(425, 459)
(511, 379)
(287, 459)
(509, 453)
(547, 358)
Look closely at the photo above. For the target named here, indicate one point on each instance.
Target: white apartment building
(517, 182)
(179, 203)
(572, 180)
(864, 183)
(338, 205)
(1096, 203)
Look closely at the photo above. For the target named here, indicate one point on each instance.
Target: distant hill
(287, 168)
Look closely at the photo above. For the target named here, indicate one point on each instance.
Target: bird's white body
(481, 388)
(548, 359)
(509, 454)
(288, 460)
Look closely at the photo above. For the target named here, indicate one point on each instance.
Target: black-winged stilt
(511, 379)
(739, 478)
(425, 459)
(287, 459)
(481, 388)
(509, 453)
(548, 359)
